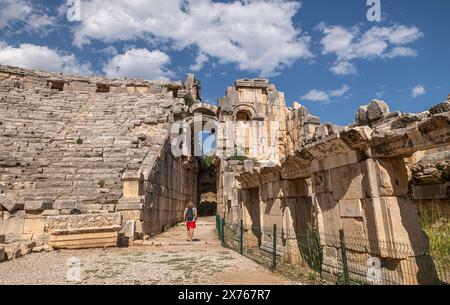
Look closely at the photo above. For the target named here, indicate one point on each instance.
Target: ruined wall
(364, 179)
(250, 116)
(66, 142)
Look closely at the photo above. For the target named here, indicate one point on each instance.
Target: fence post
(223, 231)
(344, 257)
(241, 249)
(274, 252)
(218, 226)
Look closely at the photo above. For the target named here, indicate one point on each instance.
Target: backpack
(190, 214)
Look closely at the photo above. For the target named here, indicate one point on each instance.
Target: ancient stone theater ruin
(90, 162)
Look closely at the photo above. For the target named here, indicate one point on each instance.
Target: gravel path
(174, 261)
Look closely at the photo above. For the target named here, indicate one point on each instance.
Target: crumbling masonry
(87, 162)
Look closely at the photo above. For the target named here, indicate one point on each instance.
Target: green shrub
(79, 141)
(207, 161)
(188, 100)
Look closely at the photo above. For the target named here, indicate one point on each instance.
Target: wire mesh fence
(335, 259)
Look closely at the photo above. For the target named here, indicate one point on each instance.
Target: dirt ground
(165, 259)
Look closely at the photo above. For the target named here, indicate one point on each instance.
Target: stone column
(131, 205)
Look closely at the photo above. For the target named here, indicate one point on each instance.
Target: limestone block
(350, 208)
(340, 160)
(355, 234)
(385, 177)
(84, 240)
(292, 188)
(393, 177)
(362, 116)
(12, 225)
(26, 247)
(347, 182)
(377, 110)
(72, 224)
(43, 248)
(139, 227)
(34, 226)
(10, 203)
(298, 216)
(394, 223)
(37, 206)
(329, 219)
(419, 270)
(64, 204)
(12, 251)
(132, 184)
(322, 182)
(133, 215)
(129, 206)
(331, 260)
(128, 228)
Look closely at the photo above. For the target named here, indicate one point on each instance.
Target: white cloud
(199, 62)
(401, 52)
(418, 91)
(340, 92)
(343, 68)
(41, 57)
(139, 63)
(316, 95)
(348, 44)
(257, 35)
(35, 19)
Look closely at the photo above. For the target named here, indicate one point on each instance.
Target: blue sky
(324, 54)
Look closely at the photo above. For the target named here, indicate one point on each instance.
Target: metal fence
(334, 259)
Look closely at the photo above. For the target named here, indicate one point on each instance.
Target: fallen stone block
(43, 248)
(26, 247)
(84, 240)
(11, 204)
(84, 231)
(12, 251)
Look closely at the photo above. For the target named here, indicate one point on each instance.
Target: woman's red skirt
(190, 225)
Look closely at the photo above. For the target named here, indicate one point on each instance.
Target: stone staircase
(71, 150)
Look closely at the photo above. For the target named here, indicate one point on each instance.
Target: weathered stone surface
(128, 228)
(71, 224)
(441, 108)
(37, 206)
(377, 110)
(84, 240)
(347, 182)
(43, 248)
(372, 113)
(11, 204)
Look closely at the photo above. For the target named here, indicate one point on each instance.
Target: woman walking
(190, 217)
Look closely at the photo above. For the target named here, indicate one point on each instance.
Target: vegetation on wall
(188, 100)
